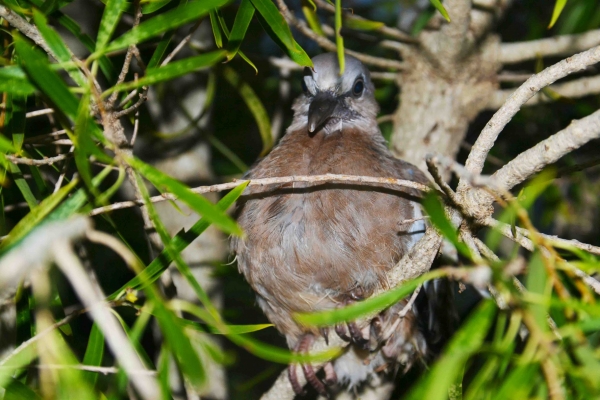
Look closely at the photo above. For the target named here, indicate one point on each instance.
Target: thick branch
(574, 89)
(555, 46)
(548, 151)
(488, 136)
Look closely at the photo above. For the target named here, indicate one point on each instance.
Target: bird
(314, 247)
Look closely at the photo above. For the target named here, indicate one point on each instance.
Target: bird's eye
(304, 87)
(358, 88)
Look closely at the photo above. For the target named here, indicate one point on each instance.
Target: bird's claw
(302, 347)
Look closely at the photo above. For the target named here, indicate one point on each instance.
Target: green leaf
(437, 215)
(195, 201)
(94, 353)
(240, 26)
(339, 40)
(241, 329)
(214, 23)
(435, 384)
(537, 282)
(438, 5)
(181, 265)
(14, 81)
(558, 8)
(255, 106)
(58, 46)
(74, 203)
(226, 33)
(16, 390)
(110, 19)
(365, 307)
(82, 142)
(180, 242)
(313, 19)
(172, 71)
(162, 23)
(36, 215)
(153, 5)
(23, 186)
(362, 24)
(279, 31)
(35, 64)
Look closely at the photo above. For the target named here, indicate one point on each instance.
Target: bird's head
(331, 100)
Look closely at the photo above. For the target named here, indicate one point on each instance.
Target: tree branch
(548, 151)
(488, 136)
(574, 89)
(563, 45)
(26, 28)
(318, 179)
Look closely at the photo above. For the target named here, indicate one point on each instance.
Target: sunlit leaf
(365, 307)
(36, 215)
(240, 26)
(180, 242)
(109, 21)
(339, 40)
(279, 30)
(438, 5)
(171, 71)
(195, 201)
(35, 64)
(558, 8)
(437, 215)
(469, 338)
(162, 23)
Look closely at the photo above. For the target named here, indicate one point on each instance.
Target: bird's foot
(302, 347)
(350, 332)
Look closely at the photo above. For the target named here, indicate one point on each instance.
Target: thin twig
(128, 57)
(318, 179)
(43, 161)
(37, 113)
(330, 46)
(181, 44)
(93, 368)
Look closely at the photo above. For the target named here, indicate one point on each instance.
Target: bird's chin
(331, 125)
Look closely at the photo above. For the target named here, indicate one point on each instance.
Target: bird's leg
(302, 347)
(330, 375)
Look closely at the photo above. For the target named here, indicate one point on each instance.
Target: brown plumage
(313, 247)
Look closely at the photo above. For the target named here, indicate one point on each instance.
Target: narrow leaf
(180, 242)
(278, 29)
(172, 71)
(439, 6)
(255, 106)
(35, 64)
(339, 40)
(162, 23)
(36, 215)
(558, 8)
(435, 384)
(195, 201)
(240, 26)
(110, 18)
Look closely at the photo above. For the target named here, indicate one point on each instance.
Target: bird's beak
(321, 109)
